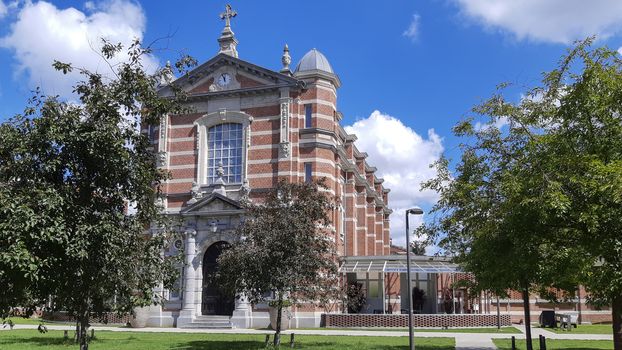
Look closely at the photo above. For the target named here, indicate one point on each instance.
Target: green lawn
(503, 344)
(449, 330)
(21, 320)
(37, 321)
(585, 329)
(53, 340)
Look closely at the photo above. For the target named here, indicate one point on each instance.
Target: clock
(224, 79)
(178, 243)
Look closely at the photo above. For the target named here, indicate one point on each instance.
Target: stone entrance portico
(211, 221)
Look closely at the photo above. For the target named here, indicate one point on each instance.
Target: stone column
(242, 314)
(188, 311)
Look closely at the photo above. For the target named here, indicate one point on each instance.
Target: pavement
(464, 341)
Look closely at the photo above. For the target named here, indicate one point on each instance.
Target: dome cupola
(314, 63)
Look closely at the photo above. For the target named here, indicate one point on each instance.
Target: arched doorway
(214, 302)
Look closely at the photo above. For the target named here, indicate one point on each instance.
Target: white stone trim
(183, 153)
(182, 166)
(290, 173)
(181, 139)
(270, 146)
(319, 102)
(182, 126)
(180, 181)
(315, 159)
(270, 117)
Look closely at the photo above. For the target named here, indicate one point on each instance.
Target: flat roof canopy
(397, 263)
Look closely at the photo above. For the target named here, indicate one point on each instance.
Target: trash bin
(547, 319)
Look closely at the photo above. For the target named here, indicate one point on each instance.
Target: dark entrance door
(214, 302)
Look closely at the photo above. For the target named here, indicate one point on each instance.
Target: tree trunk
(279, 311)
(83, 335)
(616, 317)
(527, 319)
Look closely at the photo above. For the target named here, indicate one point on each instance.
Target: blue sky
(410, 69)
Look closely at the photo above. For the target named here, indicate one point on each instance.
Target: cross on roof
(227, 15)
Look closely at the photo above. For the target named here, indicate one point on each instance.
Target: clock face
(178, 243)
(224, 79)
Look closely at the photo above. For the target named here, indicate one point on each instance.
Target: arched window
(225, 146)
(222, 137)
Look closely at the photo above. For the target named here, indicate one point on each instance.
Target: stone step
(212, 318)
(215, 322)
(207, 325)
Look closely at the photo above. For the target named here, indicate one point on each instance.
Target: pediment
(243, 75)
(213, 203)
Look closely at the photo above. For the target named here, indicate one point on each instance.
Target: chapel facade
(250, 127)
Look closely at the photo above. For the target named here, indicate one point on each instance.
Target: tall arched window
(224, 145)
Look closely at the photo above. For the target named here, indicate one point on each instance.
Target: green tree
(581, 151)
(505, 211)
(418, 247)
(284, 250)
(68, 172)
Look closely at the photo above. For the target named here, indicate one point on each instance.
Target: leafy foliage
(283, 250)
(355, 297)
(535, 205)
(68, 172)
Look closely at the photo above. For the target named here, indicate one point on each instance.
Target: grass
(37, 321)
(21, 320)
(53, 340)
(503, 330)
(506, 344)
(585, 329)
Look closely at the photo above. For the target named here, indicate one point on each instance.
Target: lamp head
(414, 211)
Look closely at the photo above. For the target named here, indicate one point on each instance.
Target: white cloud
(3, 9)
(499, 124)
(620, 50)
(413, 29)
(42, 33)
(560, 21)
(402, 157)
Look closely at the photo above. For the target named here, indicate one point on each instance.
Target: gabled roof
(205, 205)
(277, 79)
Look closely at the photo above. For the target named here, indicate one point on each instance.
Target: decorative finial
(227, 41)
(286, 59)
(166, 75)
(220, 171)
(227, 15)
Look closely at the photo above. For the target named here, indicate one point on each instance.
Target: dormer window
(224, 146)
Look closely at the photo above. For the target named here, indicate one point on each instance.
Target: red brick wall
(371, 320)
(366, 228)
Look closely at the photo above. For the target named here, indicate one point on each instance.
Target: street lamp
(411, 343)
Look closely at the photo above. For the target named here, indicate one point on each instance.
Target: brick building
(249, 128)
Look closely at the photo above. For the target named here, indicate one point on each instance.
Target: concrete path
(472, 341)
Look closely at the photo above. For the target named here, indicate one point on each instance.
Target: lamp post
(411, 343)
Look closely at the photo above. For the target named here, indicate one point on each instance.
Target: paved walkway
(464, 341)
(472, 341)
